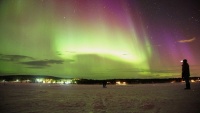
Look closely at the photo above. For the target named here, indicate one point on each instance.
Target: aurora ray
(97, 39)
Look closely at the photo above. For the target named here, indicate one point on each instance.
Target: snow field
(136, 98)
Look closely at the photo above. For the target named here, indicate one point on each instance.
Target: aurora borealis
(99, 39)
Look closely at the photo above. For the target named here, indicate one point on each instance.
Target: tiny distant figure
(104, 84)
(186, 73)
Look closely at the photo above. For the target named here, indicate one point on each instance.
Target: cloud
(187, 41)
(42, 63)
(14, 58)
(30, 61)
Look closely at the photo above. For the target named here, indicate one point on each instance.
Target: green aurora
(80, 40)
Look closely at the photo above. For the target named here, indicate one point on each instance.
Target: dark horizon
(53, 79)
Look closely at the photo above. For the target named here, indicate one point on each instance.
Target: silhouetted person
(104, 83)
(186, 73)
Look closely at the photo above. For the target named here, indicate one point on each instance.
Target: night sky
(99, 39)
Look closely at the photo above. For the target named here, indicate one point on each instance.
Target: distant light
(181, 61)
(120, 83)
(17, 80)
(124, 83)
(68, 82)
(192, 81)
(39, 80)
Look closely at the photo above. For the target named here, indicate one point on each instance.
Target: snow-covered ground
(137, 98)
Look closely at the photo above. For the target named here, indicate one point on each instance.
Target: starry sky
(99, 39)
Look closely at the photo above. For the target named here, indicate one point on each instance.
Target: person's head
(184, 60)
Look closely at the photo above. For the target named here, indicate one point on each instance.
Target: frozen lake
(137, 98)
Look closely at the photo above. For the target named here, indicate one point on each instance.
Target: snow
(68, 98)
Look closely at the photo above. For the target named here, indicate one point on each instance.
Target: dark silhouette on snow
(104, 83)
(186, 73)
